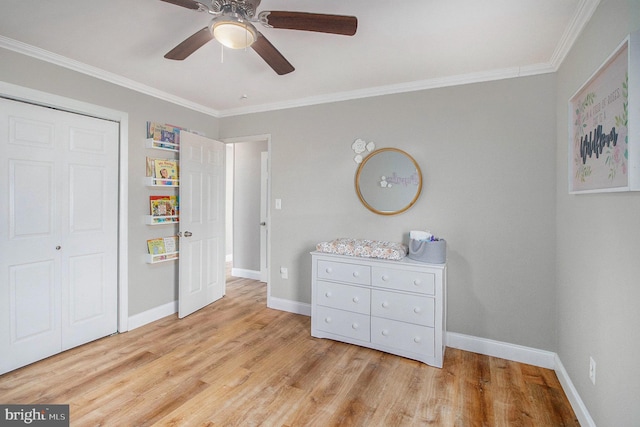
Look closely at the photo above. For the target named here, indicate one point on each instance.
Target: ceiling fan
(232, 25)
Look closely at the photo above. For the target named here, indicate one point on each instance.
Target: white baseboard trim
(289, 306)
(517, 353)
(572, 394)
(152, 315)
(245, 274)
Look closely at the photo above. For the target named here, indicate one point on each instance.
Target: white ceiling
(399, 46)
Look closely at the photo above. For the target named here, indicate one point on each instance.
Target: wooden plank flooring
(238, 363)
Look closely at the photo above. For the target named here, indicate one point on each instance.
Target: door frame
(261, 138)
(36, 97)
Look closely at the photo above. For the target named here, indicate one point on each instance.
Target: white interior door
(58, 231)
(202, 224)
(264, 218)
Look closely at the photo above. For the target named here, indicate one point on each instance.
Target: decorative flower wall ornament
(371, 146)
(360, 146)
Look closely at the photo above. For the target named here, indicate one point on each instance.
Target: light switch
(278, 203)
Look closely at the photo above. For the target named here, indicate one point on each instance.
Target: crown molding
(63, 61)
(436, 83)
(583, 14)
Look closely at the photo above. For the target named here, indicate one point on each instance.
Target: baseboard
(152, 315)
(517, 353)
(572, 395)
(245, 274)
(289, 306)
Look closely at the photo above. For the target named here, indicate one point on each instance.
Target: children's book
(164, 134)
(151, 167)
(163, 207)
(171, 246)
(156, 246)
(166, 171)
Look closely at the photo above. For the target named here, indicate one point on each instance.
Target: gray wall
(149, 285)
(246, 205)
(598, 247)
(487, 153)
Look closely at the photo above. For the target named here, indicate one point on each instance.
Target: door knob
(263, 224)
(58, 248)
(188, 234)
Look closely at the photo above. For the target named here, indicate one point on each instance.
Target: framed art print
(602, 150)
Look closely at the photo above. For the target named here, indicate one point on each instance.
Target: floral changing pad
(364, 248)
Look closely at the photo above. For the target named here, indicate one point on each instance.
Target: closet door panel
(31, 205)
(34, 294)
(89, 229)
(30, 266)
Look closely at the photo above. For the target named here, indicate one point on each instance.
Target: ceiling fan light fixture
(233, 32)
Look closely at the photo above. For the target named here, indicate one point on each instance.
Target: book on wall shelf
(163, 136)
(171, 246)
(162, 249)
(162, 172)
(163, 210)
(156, 246)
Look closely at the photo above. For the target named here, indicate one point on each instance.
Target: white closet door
(89, 229)
(202, 205)
(58, 231)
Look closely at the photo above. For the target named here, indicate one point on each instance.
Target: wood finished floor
(238, 363)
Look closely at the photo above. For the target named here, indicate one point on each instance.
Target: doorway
(247, 207)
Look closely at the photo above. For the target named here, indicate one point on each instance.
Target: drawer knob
(356, 274)
(385, 332)
(417, 282)
(417, 310)
(329, 270)
(417, 340)
(356, 299)
(327, 319)
(385, 304)
(385, 277)
(328, 295)
(355, 326)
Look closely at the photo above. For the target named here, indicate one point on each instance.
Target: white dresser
(394, 306)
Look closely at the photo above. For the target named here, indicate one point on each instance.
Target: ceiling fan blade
(333, 24)
(190, 45)
(189, 4)
(271, 55)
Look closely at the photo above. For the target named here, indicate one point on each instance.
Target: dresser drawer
(344, 297)
(345, 323)
(344, 272)
(404, 280)
(404, 307)
(403, 336)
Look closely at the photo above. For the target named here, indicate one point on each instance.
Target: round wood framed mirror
(388, 181)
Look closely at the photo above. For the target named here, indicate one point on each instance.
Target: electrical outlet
(592, 370)
(284, 273)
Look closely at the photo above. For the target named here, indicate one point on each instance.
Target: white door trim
(260, 138)
(264, 215)
(19, 93)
